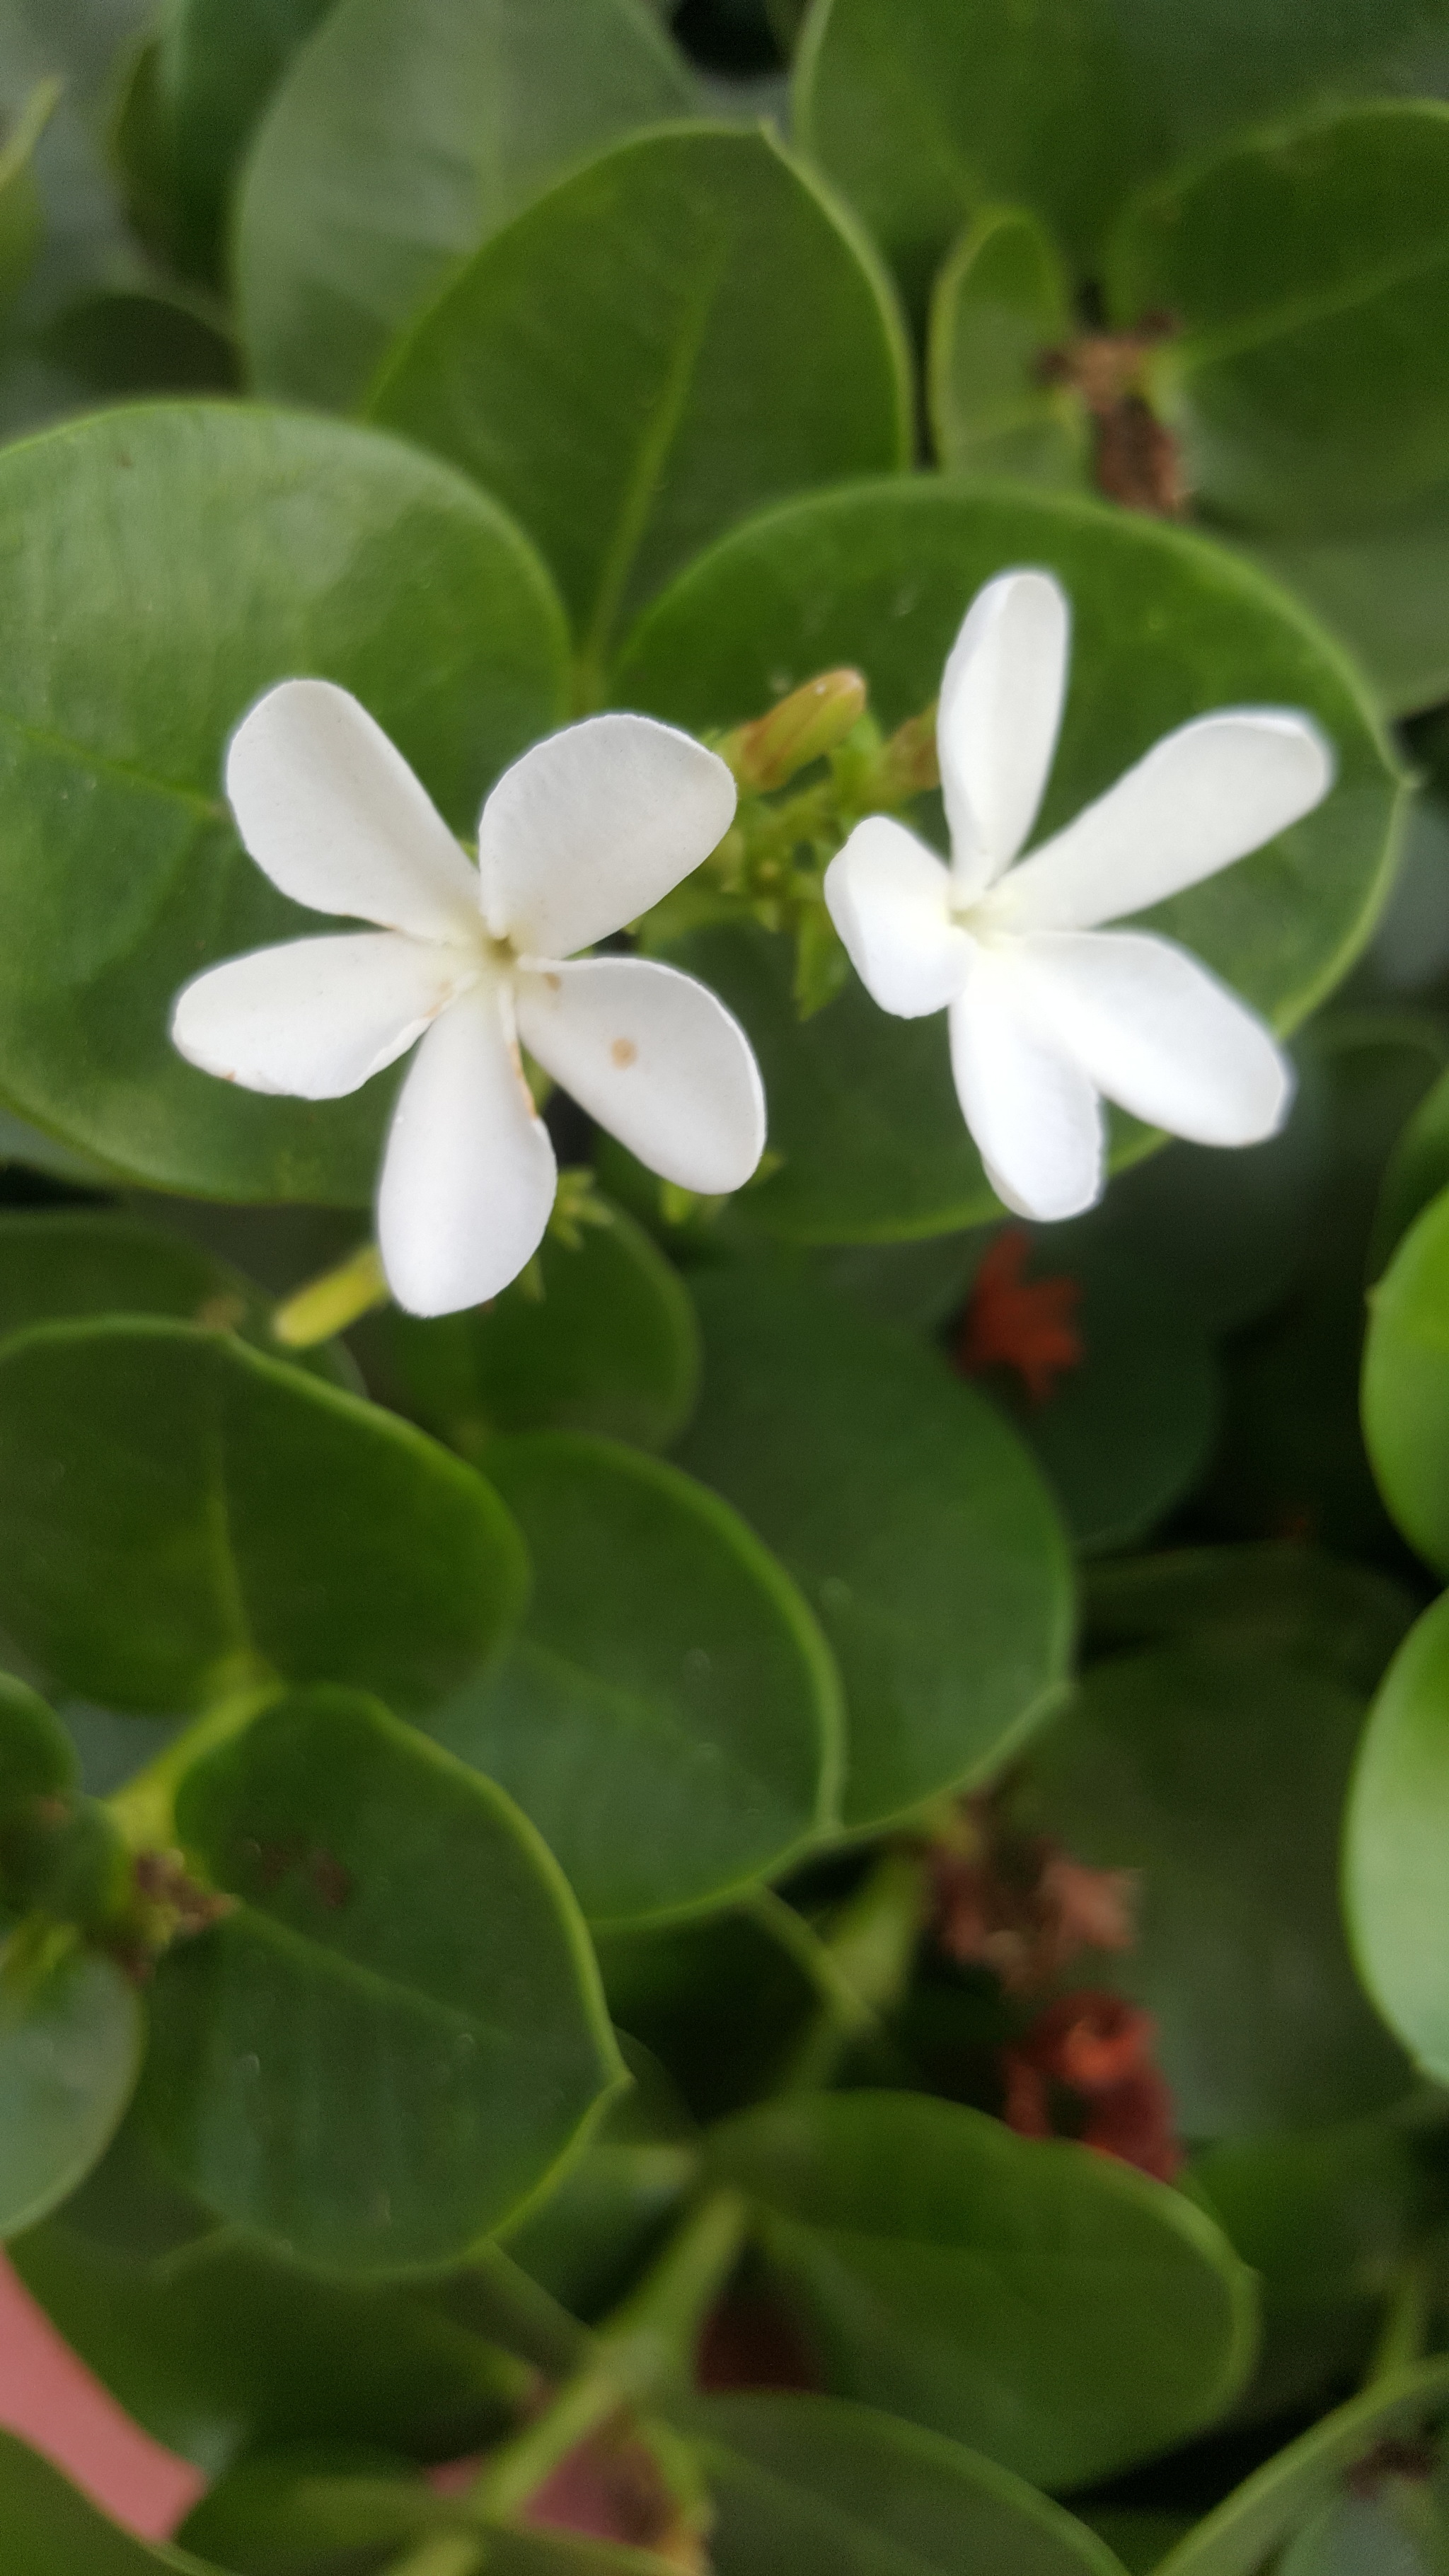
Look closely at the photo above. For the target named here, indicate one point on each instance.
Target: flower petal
(654, 1057)
(996, 727)
(890, 899)
(316, 1017)
(593, 826)
(1158, 1034)
(332, 812)
(1035, 1116)
(1203, 797)
(468, 1177)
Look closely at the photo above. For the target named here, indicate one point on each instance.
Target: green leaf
(114, 344)
(217, 66)
(1327, 2219)
(1262, 1603)
(54, 2531)
(37, 1758)
(586, 2243)
(71, 2038)
(171, 1502)
(809, 2486)
(165, 566)
(314, 2510)
(673, 389)
(911, 1516)
(1219, 1778)
(1237, 2538)
(1417, 1170)
(1396, 1860)
(718, 2000)
(862, 1111)
(406, 133)
(1383, 590)
(1042, 2303)
(602, 1339)
(21, 219)
(1001, 302)
(1364, 2536)
(669, 1715)
(397, 2034)
(1124, 1434)
(1292, 1461)
(1406, 1383)
(925, 115)
(217, 2346)
(57, 1263)
(1308, 273)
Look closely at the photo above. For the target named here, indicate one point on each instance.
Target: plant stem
(645, 2344)
(444, 2553)
(328, 1304)
(871, 1948)
(1405, 2330)
(144, 1808)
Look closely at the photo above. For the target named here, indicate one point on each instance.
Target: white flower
(1047, 1015)
(581, 835)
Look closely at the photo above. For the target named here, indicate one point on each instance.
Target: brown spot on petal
(554, 983)
(624, 1052)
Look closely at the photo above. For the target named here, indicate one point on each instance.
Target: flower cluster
(591, 828)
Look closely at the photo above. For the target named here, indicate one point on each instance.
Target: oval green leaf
(862, 1112)
(216, 67)
(71, 2037)
(407, 131)
(1406, 1383)
(624, 368)
(1259, 1602)
(601, 1338)
(911, 1516)
(37, 1757)
(53, 2530)
(1307, 271)
(1001, 302)
(172, 1505)
(669, 1714)
(1396, 1850)
(1220, 1780)
(165, 565)
(811, 2486)
(388, 2045)
(1041, 2303)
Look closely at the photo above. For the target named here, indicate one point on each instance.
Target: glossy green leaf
(862, 1111)
(669, 1715)
(1124, 1434)
(608, 2213)
(910, 1514)
(1308, 273)
(172, 1502)
(164, 566)
(1383, 590)
(924, 115)
(1327, 2218)
(52, 2530)
(717, 2000)
(603, 1338)
(71, 2037)
(1220, 1780)
(715, 339)
(1272, 1603)
(1001, 302)
(57, 1263)
(809, 2486)
(1406, 1383)
(1140, 2537)
(37, 1758)
(1396, 1858)
(217, 65)
(407, 132)
(1239, 2536)
(1042, 2303)
(398, 2032)
(218, 2347)
(122, 344)
(314, 2510)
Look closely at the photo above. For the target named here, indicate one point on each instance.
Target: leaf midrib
(41, 738)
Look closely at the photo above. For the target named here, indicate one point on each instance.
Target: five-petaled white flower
(580, 836)
(1047, 1014)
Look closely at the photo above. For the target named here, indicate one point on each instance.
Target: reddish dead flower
(1137, 460)
(1021, 1324)
(1020, 1905)
(1085, 2070)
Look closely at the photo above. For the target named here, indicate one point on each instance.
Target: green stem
(645, 2344)
(144, 1808)
(1404, 2335)
(871, 1948)
(328, 1304)
(444, 2553)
